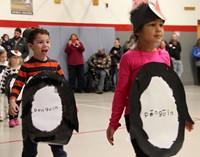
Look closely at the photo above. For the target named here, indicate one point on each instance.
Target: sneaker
(12, 123)
(16, 121)
(1, 118)
(99, 92)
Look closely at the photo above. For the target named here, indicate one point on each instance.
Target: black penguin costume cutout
(9, 83)
(49, 111)
(2, 68)
(158, 110)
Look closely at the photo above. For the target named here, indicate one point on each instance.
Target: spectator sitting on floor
(100, 62)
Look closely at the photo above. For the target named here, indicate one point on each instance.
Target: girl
(3, 99)
(5, 42)
(148, 29)
(15, 61)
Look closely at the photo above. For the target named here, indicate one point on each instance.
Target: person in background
(5, 42)
(3, 98)
(18, 43)
(196, 56)
(39, 42)
(100, 63)
(164, 46)
(15, 61)
(75, 62)
(115, 55)
(175, 54)
(129, 44)
(148, 29)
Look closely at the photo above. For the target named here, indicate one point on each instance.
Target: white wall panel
(82, 11)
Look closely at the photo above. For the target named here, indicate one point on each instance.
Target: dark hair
(4, 35)
(72, 35)
(18, 30)
(35, 32)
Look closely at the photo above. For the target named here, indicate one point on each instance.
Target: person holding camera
(75, 62)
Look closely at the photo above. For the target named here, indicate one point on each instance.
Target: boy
(39, 42)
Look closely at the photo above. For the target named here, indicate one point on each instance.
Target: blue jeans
(102, 75)
(114, 75)
(178, 67)
(30, 149)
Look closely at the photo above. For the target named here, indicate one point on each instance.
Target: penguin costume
(49, 111)
(158, 110)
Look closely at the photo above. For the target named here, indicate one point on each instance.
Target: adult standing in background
(75, 61)
(115, 55)
(175, 54)
(129, 44)
(164, 46)
(196, 55)
(18, 43)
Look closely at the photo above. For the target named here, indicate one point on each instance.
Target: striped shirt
(30, 68)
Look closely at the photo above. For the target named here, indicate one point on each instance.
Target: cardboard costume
(2, 68)
(9, 83)
(158, 110)
(49, 111)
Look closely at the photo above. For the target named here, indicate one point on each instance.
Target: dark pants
(30, 149)
(198, 75)
(138, 151)
(76, 75)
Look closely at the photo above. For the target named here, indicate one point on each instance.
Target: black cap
(144, 13)
(18, 30)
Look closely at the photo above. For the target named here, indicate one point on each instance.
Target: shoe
(16, 121)
(12, 123)
(79, 91)
(113, 89)
(99, 92)
(1, 118)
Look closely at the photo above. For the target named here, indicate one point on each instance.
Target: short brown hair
(35, 32)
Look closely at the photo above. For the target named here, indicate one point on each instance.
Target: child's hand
(189, 126)
(110, 135)
(13, 108)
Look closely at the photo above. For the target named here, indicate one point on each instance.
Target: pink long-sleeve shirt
(131, 62)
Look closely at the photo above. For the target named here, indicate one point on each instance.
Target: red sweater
(74, 54)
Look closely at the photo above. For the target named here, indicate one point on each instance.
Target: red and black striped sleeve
(30, 68)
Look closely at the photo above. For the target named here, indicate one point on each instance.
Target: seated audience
(100, 63)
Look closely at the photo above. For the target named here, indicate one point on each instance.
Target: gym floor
(94, 113)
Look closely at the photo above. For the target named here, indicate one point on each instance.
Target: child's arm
(13, 107)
